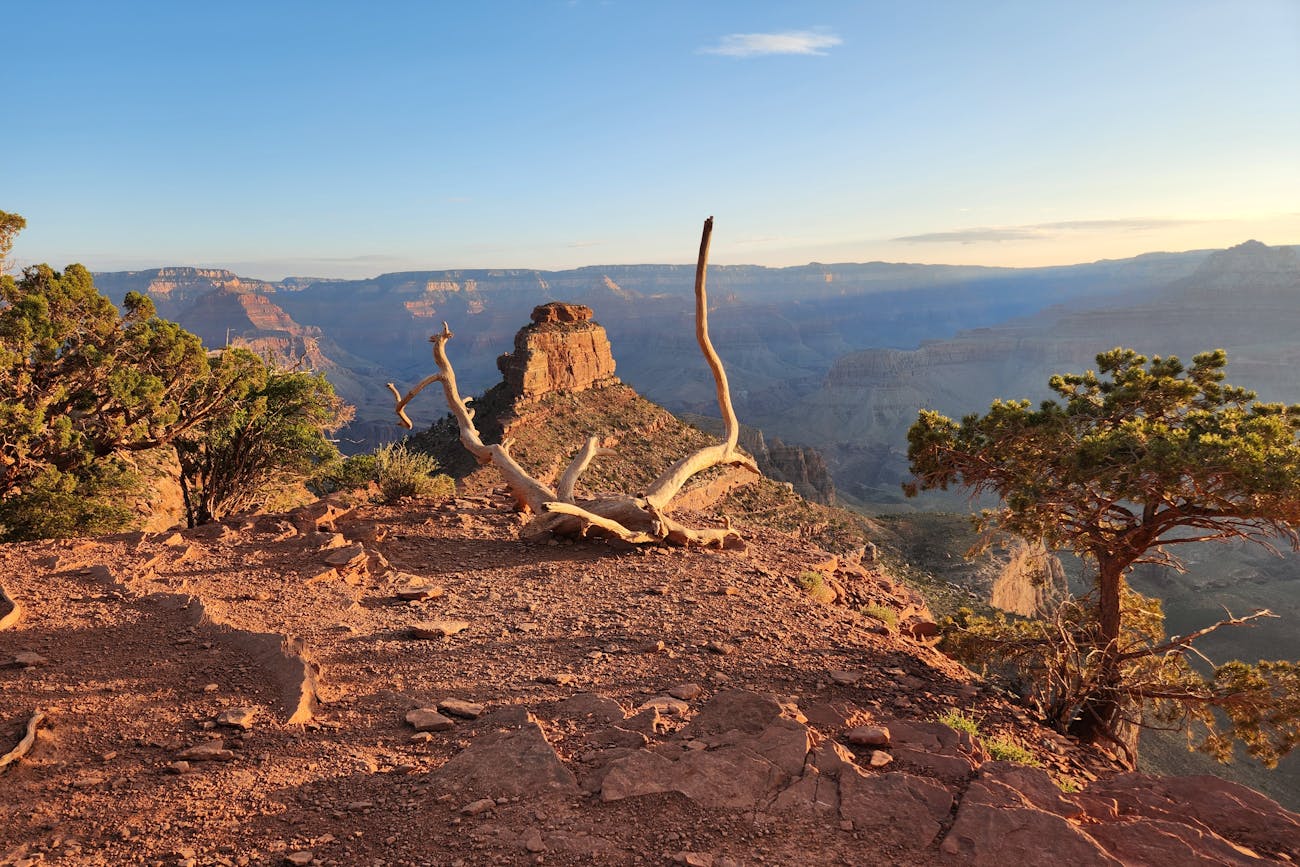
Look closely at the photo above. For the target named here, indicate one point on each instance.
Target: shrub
(402, 472)
(955, 719)
(999, 749)
(61, 505)
(1007, 750)
(809, 582)
(883, 613)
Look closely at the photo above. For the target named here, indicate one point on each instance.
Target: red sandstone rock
(558, 311)
(563, 350)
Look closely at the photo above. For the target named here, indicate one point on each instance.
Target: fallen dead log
(10, 611)
(24, 745)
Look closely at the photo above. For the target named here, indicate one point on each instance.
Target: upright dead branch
(632, 519)
(528, 492)
(667, 485)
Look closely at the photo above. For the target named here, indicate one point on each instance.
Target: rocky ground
(410, 685)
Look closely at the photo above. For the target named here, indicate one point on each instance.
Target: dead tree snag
(636, 519)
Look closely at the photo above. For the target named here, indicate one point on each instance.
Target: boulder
(511, 763)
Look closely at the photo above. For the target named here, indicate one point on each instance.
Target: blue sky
(347, 139)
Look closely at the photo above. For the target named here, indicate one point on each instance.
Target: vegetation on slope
(83, 386)
(1155, 455)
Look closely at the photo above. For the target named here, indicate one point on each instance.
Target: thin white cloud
(975, 236)
(763, 44)
(1039, 231)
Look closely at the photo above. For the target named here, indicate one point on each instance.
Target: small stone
(416, 592)
(845, 678)
(438, 628)
(533, 841)
(558, 679)
(237, 717)
(922, 629)
(869, 736)
(426, 719)
(421, 738)
(694, 859)
(463, 709)
(208, 751)
(181, 767)
(686, 691)
(480, 806)
(211, 687)
(720, 648)
(880, 758)
(300, 859)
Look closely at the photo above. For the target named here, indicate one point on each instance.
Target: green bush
(405, 473)
(61, 506)
(1007, 750)
(999, 749)
(955, 719)
(883, 613)
(810, 582)
(346, 474)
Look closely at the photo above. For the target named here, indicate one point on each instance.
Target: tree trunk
(1106, 718)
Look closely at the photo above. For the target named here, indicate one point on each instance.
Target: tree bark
(1107, 716)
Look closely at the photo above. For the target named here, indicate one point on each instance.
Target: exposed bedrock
(562, 350)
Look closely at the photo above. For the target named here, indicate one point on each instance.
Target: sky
(350, 139)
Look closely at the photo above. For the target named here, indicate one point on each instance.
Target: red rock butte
(563, 350)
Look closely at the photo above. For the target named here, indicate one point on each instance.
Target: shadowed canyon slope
(1245, 300)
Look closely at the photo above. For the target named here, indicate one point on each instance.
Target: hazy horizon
(251, 275)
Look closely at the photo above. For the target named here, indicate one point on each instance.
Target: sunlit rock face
(562, 350)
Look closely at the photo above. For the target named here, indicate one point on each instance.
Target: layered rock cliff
(562, 350)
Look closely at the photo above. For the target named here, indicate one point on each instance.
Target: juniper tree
(81, 383)
(1128, 463)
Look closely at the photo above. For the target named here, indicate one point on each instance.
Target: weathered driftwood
(635, 519)
(10, 611)
(24, 745)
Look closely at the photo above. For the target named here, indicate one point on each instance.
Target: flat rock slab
(352, 555)
(27, 659)
(426, 719)
(430, 629)
(894, 807)
(414, 593)
(686, 691)
(588, 705)
(208, 751)
(463, 709)
(868, 736)
(237, 717)
(515, 763)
